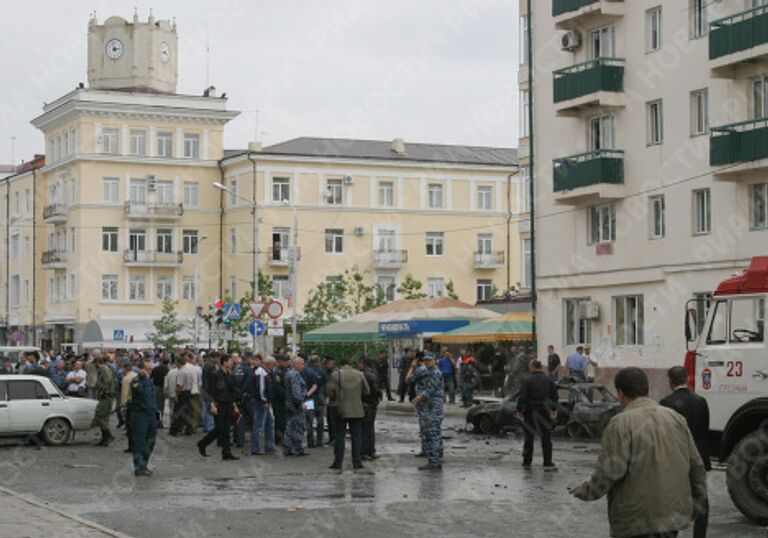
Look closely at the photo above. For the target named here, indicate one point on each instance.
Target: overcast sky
(441, 71)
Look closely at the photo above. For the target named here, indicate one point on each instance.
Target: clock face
(165, 51)
(114, 48)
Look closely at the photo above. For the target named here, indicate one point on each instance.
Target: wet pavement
(483, 491)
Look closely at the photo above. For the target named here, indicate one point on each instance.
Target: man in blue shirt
(577, 364)
(445, 365)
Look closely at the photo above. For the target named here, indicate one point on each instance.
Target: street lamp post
(293, 252)
(197, 291)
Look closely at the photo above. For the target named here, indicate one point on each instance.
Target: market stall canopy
(424, 309)
(344, 331)
(514, 326)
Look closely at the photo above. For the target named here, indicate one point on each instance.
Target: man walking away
(577, 365)
(445, 365)
(346, 389)
(223, 408)
(186, 382)
(105, 393)
(370, 404)
(382, 374)
(241, 373)
(648, 466)
(296, 409)
(158, 379)
(169, 386)
(553, 363)
(143, 419)
(125, 400)
(260, 389)
(317, 415)
(536, 406)
(429, 403)
(695, 410)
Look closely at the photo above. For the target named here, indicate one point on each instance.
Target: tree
(167, 328)
(410, 288)
(363, 296)
(265, 290)
(341, 297)
(451, 291)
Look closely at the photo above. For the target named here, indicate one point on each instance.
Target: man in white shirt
(186, 382)
(77, 380)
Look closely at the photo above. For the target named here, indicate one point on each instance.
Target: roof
(383, 150)
(753, 280)
(7, 168)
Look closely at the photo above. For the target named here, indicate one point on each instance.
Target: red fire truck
(727, 363)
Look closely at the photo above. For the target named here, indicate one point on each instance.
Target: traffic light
(218, 316)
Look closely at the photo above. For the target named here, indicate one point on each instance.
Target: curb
(60, 512)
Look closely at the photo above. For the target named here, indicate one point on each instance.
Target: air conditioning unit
(590, 310)
(348, 180)
(152, 183)
(571, 40)
(359, 231)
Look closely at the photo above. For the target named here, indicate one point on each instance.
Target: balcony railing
(55, 211)
(154, 211)
(739, 142)
(282, 256)
(738, 32)
(52, 257)
(564, 6)
(598, 75)
(489, 260)
(590, 168)
(389, 258)
(152, 257)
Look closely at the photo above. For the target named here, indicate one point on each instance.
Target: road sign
(257, 328)
(274, 323)
(118, 335)
(257, 309)
(219, 334)
(276, 331)
(275, 309)
(231, 311)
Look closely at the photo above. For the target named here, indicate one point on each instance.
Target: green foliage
(348, 295)
(451, 291)
(265, 290)
(410, 288)
(166, 333)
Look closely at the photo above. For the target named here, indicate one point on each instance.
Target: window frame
(655, 122)
(758, 206)
(485, 194)
(699, 27)
(164, 144)
(386, 193)
(435, 287)
(191, 145)
(437, 241)
(435, 192)
(334, 192)
(334, 238)
(706, 204)
(191, 190)
(165, 288)
(110, 190)
(136, 284)
(112, 283)
(483, 289)
(658, 213)
(137, 142)
(654, 30)
(110, 238)
(281, 184)
(190, 242)
(628, 332)
(600, 211)
(699, 112)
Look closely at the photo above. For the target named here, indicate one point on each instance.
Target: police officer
(429, 403)
(143, 419)
(415, 379)
(536, 406)
(223, 408)
(241, 374)
(105, 393)
(278, 396)
(296, 423)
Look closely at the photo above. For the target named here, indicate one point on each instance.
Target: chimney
(254, 146)
(398, 146)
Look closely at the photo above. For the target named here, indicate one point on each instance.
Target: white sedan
(34, 405)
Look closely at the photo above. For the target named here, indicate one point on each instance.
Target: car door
(28, 405)
(4, 420)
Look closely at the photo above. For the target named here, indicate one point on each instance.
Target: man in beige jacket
(345, 391)
(648, 466)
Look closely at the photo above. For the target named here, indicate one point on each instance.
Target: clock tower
(133, 56)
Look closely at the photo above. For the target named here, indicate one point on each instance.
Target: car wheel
(487, 425)
(747, 477)
(56, 432)
(577, 431)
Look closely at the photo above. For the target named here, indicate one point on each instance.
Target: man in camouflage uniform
(105, 393)
(416, 378)
(429, 402)
(295, 396)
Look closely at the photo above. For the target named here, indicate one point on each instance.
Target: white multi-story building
(651, 165)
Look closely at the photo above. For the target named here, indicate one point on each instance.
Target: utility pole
(254, 211)
(294, 267)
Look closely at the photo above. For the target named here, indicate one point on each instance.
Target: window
(601, 132)
(232, 241)
(191, 241)
(281, 287)
(699, 112)
(281, 189)
(387, 287)
(628, 320)
(191, 194)
(525, 105)
(484, 290)
(164, 287)
(702, 304)
(759, 195)
(164, 192)
(485, 197)
(435, 195)
(484, 244)
(109, 287)
(191, 146)
(747, 321)
(526, 271)
(26, 390)
(109, 239)
(602, 224)
(697, 11)
(655, 123)
(601, 43)
(15, 246)
(578, 329)
(189, 288)
(435, 287)
(523, 39)
(280, 244)
(334, 192)
(653, 24)
(137, 240)
(138, 191)
(110, 190)
(702, 212)
(110, 141)
(386, 194)
(165, 241)
(758, 98)
(435, 243)
(138, 141)
(15, 283)
(658, 217)
(137, 288)
(165, 144)
(233, 193)
(334, 241)
(27, 201)
(524, 193)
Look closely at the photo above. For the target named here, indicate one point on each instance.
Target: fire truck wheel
(747, 476)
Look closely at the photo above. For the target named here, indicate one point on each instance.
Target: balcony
(740, 147)
(55, 213)
(738, 39)
(54, 259)
(571, 13)
(389, 259)
(281, 257)
(596, 83)
(159, 211)
(152, 258)
(489, 260)
(590, 176)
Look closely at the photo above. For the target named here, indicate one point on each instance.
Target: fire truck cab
(727, 364)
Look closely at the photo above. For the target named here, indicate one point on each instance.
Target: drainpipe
(255, 257)
(7, 257)
(531, 190)
(34, 257)
(221, 231)
(509, 224)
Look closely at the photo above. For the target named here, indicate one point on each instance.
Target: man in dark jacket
(241, 374)
(370, 403)
(382, 373)
(696, 412)
(278, 396)
(536, 406)
(223, 408)
(142, 419)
